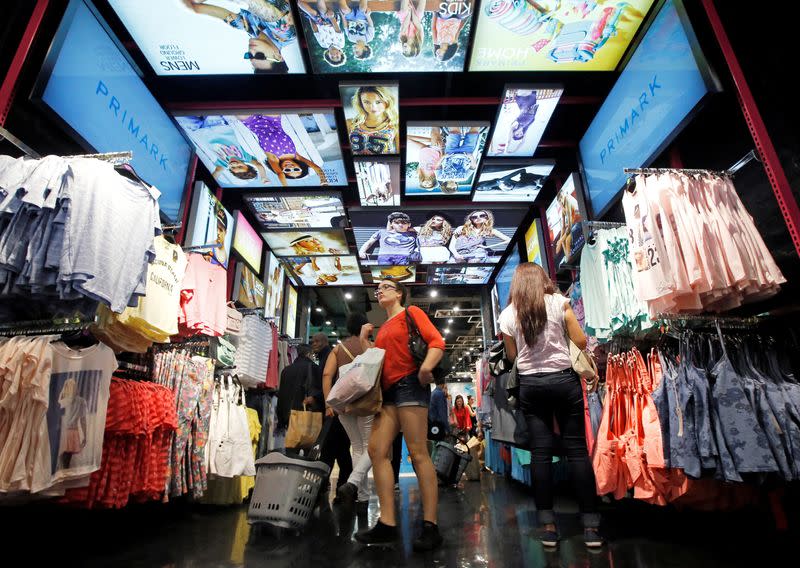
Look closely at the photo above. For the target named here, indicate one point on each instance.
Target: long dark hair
(528, 288)
(463, 404)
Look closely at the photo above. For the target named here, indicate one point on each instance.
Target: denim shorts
(407, 392)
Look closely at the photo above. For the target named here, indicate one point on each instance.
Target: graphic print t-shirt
(396, 243)
(76, 414)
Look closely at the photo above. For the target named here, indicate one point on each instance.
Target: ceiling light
(450, 320)
(348, 296)
(434, 293)
(456, 308)
(447, 330)
(328, 322)
(334, 333)
(319, 310)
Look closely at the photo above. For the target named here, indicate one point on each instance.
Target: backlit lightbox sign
(662, 85)
(89, 83)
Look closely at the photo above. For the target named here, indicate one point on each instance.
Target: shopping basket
(450, 463)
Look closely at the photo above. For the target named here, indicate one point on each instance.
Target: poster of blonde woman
(372, 112)
(555, 35)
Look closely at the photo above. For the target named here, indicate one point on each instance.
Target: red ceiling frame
(9, 86)
(764, 146)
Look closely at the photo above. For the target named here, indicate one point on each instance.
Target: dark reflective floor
(485, 523)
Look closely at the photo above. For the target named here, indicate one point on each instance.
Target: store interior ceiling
(716, 138)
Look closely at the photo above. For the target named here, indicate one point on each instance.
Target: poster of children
(378, 181)
(522, 118)
(564, 217)
(442, 159)
(214, 37)
(369, 36)
(325, 270)
(373, 117)
(275, 149)
(554, 35)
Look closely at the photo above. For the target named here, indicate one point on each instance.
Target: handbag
(498, 363)
(419, 348)
(368, 405)
(356, 378)
(304, 425)
(234, 322)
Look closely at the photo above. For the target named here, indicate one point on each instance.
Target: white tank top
(550, 351)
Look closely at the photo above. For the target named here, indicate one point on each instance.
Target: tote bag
(356, 379)
(234, 454)
(304, 425)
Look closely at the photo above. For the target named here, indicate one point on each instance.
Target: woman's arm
(331, 366)
(275, 165)
(210, 10)
(574, 330)
(500, 236)
(452, 245)
(262, 172)
(366, 329)
(511, 347)
(322, 177)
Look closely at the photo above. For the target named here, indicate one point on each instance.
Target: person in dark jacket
(438, 422)
(301, 383)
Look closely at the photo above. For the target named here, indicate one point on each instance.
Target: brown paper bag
(304, 428)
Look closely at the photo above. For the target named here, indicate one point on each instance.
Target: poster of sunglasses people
(325, 270)
(373, 117)
(390, 237)
(564, 221)
(267, 148)
(364, 36)
(214, 37)
(442, 159)
(555, 35)
(378, 181)
(512, 180)
(522, 118)
(297, 211)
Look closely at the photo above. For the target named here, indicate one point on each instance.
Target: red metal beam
(764, 146)
(9, 86)
(337, 103)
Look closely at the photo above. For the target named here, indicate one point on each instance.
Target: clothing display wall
(74, 229)
(695, 247)
(256, 347)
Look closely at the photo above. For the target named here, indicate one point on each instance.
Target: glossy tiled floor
(485, 523)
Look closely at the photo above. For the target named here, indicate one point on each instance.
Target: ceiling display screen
(551, 35)
(564, 217)
(247, 243)
(210, 225)
(267, 148)
(325, 270)
(533, 243)
(107, 108)
(372, 112)
(219, 37)
(274, 280)
(503, 280)
(442, 159)
(402, 273)
(449, 275)
(451, 235)
(522, 118)
(387, 35)
(665, 80)
(248, 290)
(296, 211)
(306, 243)
(378, 181)
(511, 181)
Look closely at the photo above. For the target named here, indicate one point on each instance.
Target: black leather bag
(498, 364)
(419, 348)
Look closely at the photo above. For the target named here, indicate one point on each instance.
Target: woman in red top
(463, 419)
(406, 396)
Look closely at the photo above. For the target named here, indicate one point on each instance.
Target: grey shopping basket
(450, 463)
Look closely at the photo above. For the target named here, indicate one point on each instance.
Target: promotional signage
(247, 243)
(378, 181)
(372, 112)
(522, 118)
(564, 221)
(533, 243)
(325, 270)
(89, 83)
(290, 326)
(550, 35)
(297, 211)
(221, 37)
(210, 225)
(512, 180)
(503, 280)
(248, 290)
(664, 82)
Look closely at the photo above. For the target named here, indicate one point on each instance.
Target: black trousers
(543, 397)
(336, 448)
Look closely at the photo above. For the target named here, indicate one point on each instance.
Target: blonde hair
(427, 229)
(469, 230)
(413, 45)
(69, 390)
(392, 117)
(301, 248)
(426, 181)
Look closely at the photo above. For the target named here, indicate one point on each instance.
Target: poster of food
(442, 159)
(554, 35)
(268, 148)
(373, 36)
(214, 37)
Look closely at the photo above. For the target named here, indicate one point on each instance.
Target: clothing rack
(603, 224)
(27, 150)
(700, 320)
(116, 158)
(44, 327)
(202, 247)
(746, 159)
(170, 228)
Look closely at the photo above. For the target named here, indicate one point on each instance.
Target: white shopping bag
(356, 379)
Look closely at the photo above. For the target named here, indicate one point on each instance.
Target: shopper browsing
(406, 396)
(536, 325)
(462, 414)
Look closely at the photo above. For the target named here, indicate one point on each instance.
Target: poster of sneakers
(514, 180)
(369, 36)
(441, 159)
(214, 37)
(522, 119)
(268, 149)
(555, 35)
